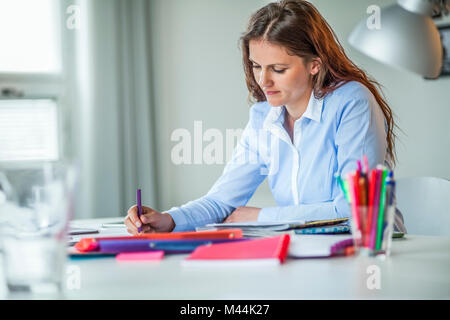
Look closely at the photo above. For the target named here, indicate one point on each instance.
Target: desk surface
(418, 268)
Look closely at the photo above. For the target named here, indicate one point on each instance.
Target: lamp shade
(405, 39)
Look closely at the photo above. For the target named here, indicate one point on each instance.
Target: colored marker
(366, 165)
(372, 184)
(354, 201)
(390, 186)
(341, 184)
(347, 190)
(358, 163)
(381, 211)
(362, 193)
(376, 202)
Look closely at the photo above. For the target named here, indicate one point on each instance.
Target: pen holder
(372, 229)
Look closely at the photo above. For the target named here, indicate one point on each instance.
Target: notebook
(266, 251)
(275, 226)
(324, 230)
(253, 225)
(258, 233)
(77, 231)
(318, 245)
(256, 229)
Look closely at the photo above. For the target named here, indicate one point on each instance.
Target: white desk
(419, 268)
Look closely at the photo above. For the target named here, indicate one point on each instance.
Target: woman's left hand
(243, 214)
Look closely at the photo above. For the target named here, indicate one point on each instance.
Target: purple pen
(139, 205)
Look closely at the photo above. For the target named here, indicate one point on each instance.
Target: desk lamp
(406, 37)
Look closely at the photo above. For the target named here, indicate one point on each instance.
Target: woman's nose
(264, 79)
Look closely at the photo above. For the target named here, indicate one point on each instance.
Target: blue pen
(390, 185)
(139, 205)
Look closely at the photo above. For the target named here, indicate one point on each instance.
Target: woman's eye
(274, 69)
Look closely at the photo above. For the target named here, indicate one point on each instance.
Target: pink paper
(140, 256)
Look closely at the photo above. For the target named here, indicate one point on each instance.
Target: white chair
(425, 205)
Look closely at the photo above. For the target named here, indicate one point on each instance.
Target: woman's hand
(150, 221)
(243, 214)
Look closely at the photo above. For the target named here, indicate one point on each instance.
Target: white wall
(197, 75)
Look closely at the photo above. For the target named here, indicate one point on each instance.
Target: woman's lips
(270, 93)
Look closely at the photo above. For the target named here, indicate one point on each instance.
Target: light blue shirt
(329, 138)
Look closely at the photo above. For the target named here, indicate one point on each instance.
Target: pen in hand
(141, 219)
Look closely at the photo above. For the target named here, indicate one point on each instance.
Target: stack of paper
(255, 229)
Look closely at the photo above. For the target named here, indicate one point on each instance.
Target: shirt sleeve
(359, 130)
(240, 179)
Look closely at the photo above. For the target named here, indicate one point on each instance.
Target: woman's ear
(315, 66)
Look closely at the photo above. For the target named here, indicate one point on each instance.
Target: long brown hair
(299, 27)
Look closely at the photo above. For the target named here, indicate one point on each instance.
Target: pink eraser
(140, 256)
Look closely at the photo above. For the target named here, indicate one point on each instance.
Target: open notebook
(276, 225)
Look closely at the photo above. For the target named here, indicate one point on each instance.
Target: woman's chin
(275, 102)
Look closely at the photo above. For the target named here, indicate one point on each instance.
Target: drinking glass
(35, 208)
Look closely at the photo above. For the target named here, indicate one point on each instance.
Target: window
(29, 36)
(28, 130)
(30, 73)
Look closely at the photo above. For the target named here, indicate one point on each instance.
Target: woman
(316, 114)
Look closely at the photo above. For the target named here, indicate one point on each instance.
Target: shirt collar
(313, 112)
(314, 108)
